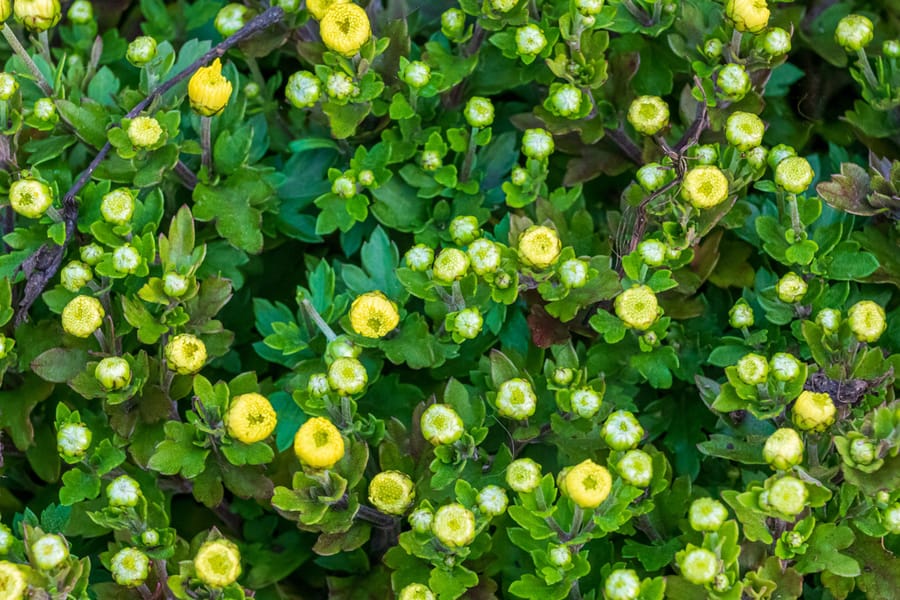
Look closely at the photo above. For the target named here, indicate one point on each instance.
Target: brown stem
(628, 147)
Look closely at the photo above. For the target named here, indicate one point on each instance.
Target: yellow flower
(6, 9)
(82, 316)
(144, 132)
(318, 8)
(867, 321)
(705, 186)
(539, 246)
(748, 15)
(30, 198)
(454, 525)
(250, 418)
(186, 354)
(372, 315)
(318, 443)
(814, 411)
(345, 28)
(637, 307)
(12, 581)
(588, 484)
(37, 15)
(208, 90)
(391, 492)
(218, 563)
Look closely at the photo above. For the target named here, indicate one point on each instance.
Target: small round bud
(479, 112)
(589, 7)
(636, 468)
(141, 50)
(560, 556)
(49, 552)
(468, 323)
(454, 525)
(539, 246)
(756, 157)
(791, 288)
(75, 275)
(741, 315)
(251, 89)
(862, 451)
(373, 315)
(218, 563)
(648, 114)
(530, 40)
(652, 252)
(523, 475)
(891, 48)
(574, 273)
(788, 495)
(421, 519)
(342, 347)
(431, 161)
(144, 132)
(419, 257)
(416, 591)
(82, 316)
(775, 42)
(813, 411)
(417, 74)
(117, 206)
(484, 256)
(366, 177)
(344, 186)
(185, 354)
(867, 321)
(492, 500)
(519, 176)
(91, 254)
(6, 346)
(733, 81)
(44, 109)
(73, 440)
(441, 424)
(303, 89)
(391, 492)
(30, 198)
(753, 369)
(8, 86)
(175, 284)
(698, 565)
(748, 15)
(784, 366)
(347, 376)
(854, 32)
(707, 514)
(340, 86)
(653, 176)
(37, 15)
(622, 431)
(516, 399)
(891, 518)
(318, 443)
(744, 130)
(231, 18)
(707, 154)
(250, 418)
(537, 144)
(778, 153)
(637, 307)
(705, 186)
(587, 484)
(794, 174)
(451, 264)
(317, 386)
(503, 5)
(453, 23)
(126, 259)
(829, 319)
(622, 584)
(566, 100)
(150, 537)
(113, 373)
(6, 542)
(712, 48)
(81, 12)
(784, 449)
(585, 402)
(130, 567)
(563, 376)
(13, 581)
(123, 491)
(882, 497)
(464, 230)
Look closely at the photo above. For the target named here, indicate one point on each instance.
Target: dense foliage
(449, 299)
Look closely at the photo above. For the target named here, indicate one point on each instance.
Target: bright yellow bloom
(588, 484)
(705, 186)
(814, 411)
(6, 9)
(748, 15)
(30, 198)
(186, 354)
(250, 418)
(867, 321)
(318, 8)
(539, 246)
(373, 315)
(391, 492)
(12, 581)
(37, 15)
(82, 316)
(218, 563)
(637, 307)
(345, 28)
(318, 443)
(208, 90)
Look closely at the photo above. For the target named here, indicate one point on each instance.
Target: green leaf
(77, 486)
(59, 365)
(824, 554)
(236, 206)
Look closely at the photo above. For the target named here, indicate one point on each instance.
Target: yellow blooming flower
(186, 354)
(318, 8)
(37, 15)
(814, 411)
(705, 186)
(250, 418)
(454, 525)
(539, 246)
(218, 563)
(208, 90)
(867, 321)
(748, 15)
(318, 443)
(637, 307)
(373, 315)
(345, 28)
(588, 484)
(30, 198)
(82, 316)
(12, 581)
(391, 492)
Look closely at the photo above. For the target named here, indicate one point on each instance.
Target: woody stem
(20, 50)
(206, 145)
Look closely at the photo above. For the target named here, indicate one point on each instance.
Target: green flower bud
(707, 514)
(867, 321)
(744, 130)
(794, 174)
(791, 288)
(783, 449)
(537, 144)
(622, 431)
(175, 284)
(560, 556)
(6, 539)
(741, 315)
(347, 376)
(251, 89)
(698, 565)
(113, 373)
(778, 153)
(451, 264)
(519, 176)
(492, 500)
(589, 7)
(652, 252)
(130, 567)
(775, 42)
(45, 109)
(454, 525)
(862, 451)
(50, 550)
(302, 89)
(636, 468)
(503, 5)
(648, 114)
(441, 424)
(340, 86)
(231, 18)
(653, 176)
(416, 591)
(563, 376)
(150, 537)
(784, 366)
(421, 519)
(317, 386)
(8, 86)
(391, 492)
(344, 186)
(788, 496)
(622, 584)
(566, 100)
(91, 254)
(288, 6)
(516, 399)
(37, 15)
(123, 491)
(756, 157)
(73, 440)
(30, 198)
(126, 259)
(891, 48)
(431, 161)
(733, 81)
(753, 369)
(464, 230)
(453, 23)
(144, 132)
(530, 40)
(585, 402)
(6, 346)
(81, 12)
(707, 154)
(523, 475)
(854, 32)
(573, 273)
(468, 323)
(479, 112)
(419, 257)
(712, 48)
(141, 50)
(416, 74)
(829, 319)
(75, 275)
(117, 206)
(891, 519)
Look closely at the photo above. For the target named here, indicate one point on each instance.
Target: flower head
(776, 42)
(707, 514)
(49, 551)
(123, 491)
(516, 399)
(814, 411)
(30, 198)
(419, 257)
(566, 99)
(537, 143)
(144, 132)
(479, 111)
(854, 32)
(530, 40)
(318, 443)
(218, 563)
(318, 8)
(648, 114)
(492, 500)
(454, 525)
(209, 90)
(744, 130)
(733, 81)
(73, 440)
(622, 431)
(748, 15)
(13, 583)
(8, 85)
(347, 376)
(636, 468)
(416, 591)
(539, 246)
(231, 18)
(523, 475)
(117, 206)
(867, 321)
(82, 316)
(574, 273)
(113, 373)
(186, 354)
(753, 369)
(130, 567)
(705, 186)
(794, 174)
(421, 519)
(303, 89)
(391, 492)
(345, 28)
(588, 484)
(698, 565)
(372, 315)
(451, 264)
(741, 315)
(75, 275)
(791, 288)
(250, 418)
(622, 584)
(784, 366)
(637, 307)
(585, 402)
(141, 50)
(484, 256)
(783, 449)
(126, 259)
(37, 15)
(788, 495)
(468, 322)
(441, 424)
(829, 319)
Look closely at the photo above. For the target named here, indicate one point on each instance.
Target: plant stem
(868, 73)
(735, 48)
(326, 330)
(470, 157)
(44, 39)
(20, 50)
(206, 145)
